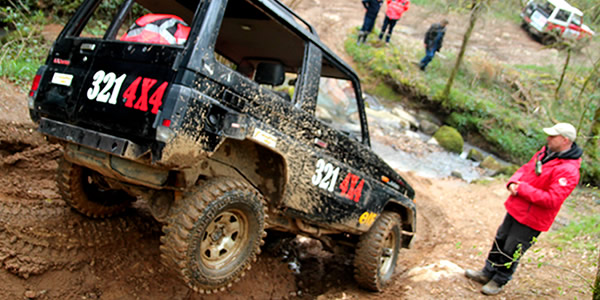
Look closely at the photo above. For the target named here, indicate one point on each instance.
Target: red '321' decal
(352, 187)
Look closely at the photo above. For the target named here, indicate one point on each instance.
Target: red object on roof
(158, 29)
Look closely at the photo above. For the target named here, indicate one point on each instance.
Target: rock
(491, 163)
(450, 139)
(428, 127)
(386, 118)
(475, 155)
(30, 294)
(507, 170)
(456, 174)
(435, 272)
(402, 114)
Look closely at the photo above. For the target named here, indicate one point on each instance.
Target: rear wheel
(87, 192)
(214, 234)
(377, 252)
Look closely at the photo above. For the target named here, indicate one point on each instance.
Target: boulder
(491, 164)
(402, 114)
(457, 174)
(508, 170)
(450, 139)
(475, 155)
(387, 118)
(428, 127)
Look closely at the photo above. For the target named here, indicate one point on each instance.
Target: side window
(260, 48)
(563, 15)
(150, 22)
(337, 106)
(576, 20)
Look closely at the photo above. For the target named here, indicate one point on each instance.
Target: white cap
(565, 129)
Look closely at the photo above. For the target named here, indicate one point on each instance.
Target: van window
(258, 47)
(545, 7)
(576, 20)
(563, 15)
(140, 21)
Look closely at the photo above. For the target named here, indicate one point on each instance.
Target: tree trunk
(597, 285)
(564, 72)
(589, 102)
(478, 6)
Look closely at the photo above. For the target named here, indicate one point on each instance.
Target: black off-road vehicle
(228, 117)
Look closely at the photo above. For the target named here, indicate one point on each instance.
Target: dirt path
(48, 251)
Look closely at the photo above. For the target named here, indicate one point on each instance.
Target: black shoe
(491, 288)
(477, 275)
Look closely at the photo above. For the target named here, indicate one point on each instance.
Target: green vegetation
(21, 52)
(506, 105)
(582, 233)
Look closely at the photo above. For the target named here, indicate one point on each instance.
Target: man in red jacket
(537, 191)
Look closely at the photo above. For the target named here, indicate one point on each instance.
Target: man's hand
(513, 187)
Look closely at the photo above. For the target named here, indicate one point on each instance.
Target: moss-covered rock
(475, 155)
(491, 164)
(450, 139)
(508, 170)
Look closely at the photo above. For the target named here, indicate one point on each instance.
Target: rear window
(140, 21)
(545, 7)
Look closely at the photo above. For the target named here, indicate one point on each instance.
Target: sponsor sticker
(562, 181)
(367, 218)
(264, 137)
(62, 79)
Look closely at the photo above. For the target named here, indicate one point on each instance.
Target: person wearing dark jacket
(537, 191)
(372, 9)
(434, 37)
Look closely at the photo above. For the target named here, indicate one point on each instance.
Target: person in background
(537, 191)
(434, 37)
(393, 12)
(372, 8)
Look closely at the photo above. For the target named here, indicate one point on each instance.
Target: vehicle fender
(252, 162)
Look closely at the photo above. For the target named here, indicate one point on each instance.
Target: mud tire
(213, 234)
(77, 188)
(377, 252)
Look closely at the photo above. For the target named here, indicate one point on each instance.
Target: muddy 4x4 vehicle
(552, 20)
(228, 117)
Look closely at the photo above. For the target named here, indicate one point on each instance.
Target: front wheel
(213, 234)
(87, 192)
(377, 252)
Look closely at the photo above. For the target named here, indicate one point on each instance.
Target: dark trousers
(387, 23)
(429, 54)
(510, 237)
(368, 23)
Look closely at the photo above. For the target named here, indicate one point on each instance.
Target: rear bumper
(110, 156)
(92, 139)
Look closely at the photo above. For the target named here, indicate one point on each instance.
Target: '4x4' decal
(326, 176)
(112, 88)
